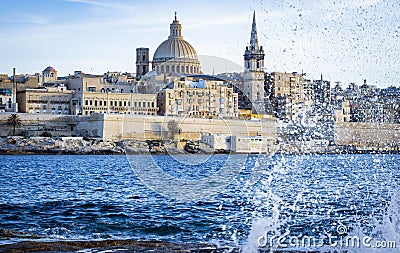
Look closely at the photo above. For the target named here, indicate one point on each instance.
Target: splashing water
(324, 203)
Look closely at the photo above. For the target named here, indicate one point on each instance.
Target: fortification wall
(371, 135)
(156, 127)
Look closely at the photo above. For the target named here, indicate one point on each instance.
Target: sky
(346, 41)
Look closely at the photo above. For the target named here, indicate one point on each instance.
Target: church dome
(49, 69)
(174, 48)
(176, 55)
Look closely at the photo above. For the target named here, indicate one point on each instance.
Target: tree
(15, 121)
(173, 128)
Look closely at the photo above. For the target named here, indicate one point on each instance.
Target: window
(111, 103)
(124, 103)
(144, 57)
(120, 103)
(105, 103)
(86, 102)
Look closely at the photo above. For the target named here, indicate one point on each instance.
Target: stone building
(6, 93)
(198, 96)
(109, 82)
(49, 75)
(142, 62)
(289, 93)
(49, 100)
(86, 103)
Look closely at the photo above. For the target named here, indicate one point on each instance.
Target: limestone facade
(197, 97)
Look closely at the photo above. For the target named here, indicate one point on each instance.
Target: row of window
(119, 103)
(177, 68)
(44, 107)
(48, 101)
(134, 113)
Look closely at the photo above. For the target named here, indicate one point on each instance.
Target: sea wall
(115, 127)
(138, 127)
(367, 135)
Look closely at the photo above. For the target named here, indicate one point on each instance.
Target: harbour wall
(115, 127)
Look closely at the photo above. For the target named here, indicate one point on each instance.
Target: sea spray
(266, 222)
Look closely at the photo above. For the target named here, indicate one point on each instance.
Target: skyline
(344, 41)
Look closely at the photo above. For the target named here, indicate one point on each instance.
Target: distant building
(322, 93)
(142, 62)
(49, 75)
(218, 142)
(86, 103)
(251, 144)
(114, 82)
(198, 96)
(50, 100)
(254, 72)
(6, 93)
(289, 93)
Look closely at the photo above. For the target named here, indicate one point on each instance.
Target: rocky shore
(48, 145)
(80, 146)
(111, 246)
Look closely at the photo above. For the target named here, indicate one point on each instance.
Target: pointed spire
(254, 38)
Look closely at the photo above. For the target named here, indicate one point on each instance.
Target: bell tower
(142, 62)
(254, 71)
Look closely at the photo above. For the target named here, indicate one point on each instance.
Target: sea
(319, 203)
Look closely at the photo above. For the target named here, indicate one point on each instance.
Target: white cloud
(104, 4)
(24, 18)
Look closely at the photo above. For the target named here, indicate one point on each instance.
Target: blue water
(101, 197)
